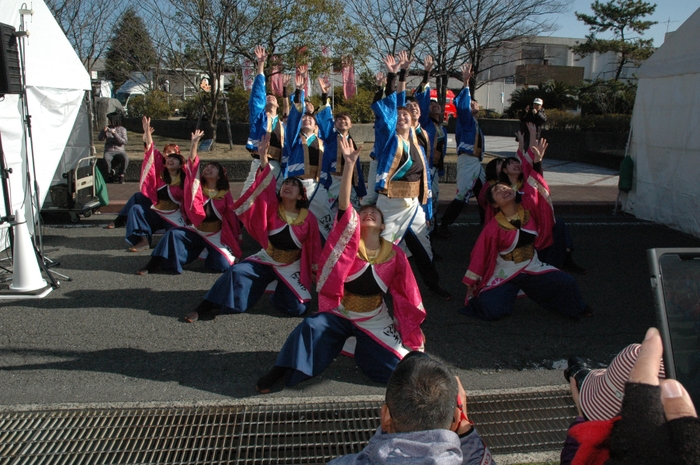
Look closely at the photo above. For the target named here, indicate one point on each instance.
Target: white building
(538, 59)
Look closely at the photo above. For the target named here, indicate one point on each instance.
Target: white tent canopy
(56, 85)
(665, 143)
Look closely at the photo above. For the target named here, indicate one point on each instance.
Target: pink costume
(489, 211)
(342, 261)
(538, 187)
(262, 215)
(496, 258)
(169, 206)
(222, 206)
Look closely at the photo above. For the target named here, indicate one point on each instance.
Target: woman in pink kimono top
(560, 253)
(504, 259)
(214, 233)
(288, 234)
(158, 205)
(357, 268)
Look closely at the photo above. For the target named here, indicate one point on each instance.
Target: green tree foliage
(621, 18)
(201, 35)
(554, 94)
(359, 107)
(130, 49)
(238, 99)
(294, 32)
(607, 97)
(155, 104)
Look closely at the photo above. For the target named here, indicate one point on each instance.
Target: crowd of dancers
(306, 203)
(318, 223)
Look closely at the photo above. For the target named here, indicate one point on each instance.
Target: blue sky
(675, 10)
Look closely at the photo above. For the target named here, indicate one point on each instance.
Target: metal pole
(228, 123)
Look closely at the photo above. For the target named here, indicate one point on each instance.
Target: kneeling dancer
(214, 233)
(288, 233)
(357, 268)
(504, 260)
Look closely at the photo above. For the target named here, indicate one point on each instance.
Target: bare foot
(140, 246)
(191, 317)
(111, 226)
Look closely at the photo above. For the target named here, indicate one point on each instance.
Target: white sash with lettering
(289, 273)
(174, 216)
(214, 240)
(378, 325)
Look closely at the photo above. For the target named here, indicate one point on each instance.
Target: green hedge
(155, 104)
(566, 121)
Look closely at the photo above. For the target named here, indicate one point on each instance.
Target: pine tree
(621, 17)
(130, 49)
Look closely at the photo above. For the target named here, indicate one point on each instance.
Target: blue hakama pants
(242, 285)
(319, 339)
(182, 246)
(556, 291)
(555, 254)
(141, 219)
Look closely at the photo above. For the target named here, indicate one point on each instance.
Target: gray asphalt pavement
(110, 335)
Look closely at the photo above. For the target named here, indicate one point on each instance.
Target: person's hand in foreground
(658, 424)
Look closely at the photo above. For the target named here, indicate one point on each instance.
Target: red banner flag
(349, 88)
(276, 78)
(248, 74)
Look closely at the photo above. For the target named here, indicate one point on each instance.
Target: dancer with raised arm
(288, 234)
(504, 260)
(304, 153)
(470, 152)
(356, 270)
(158, 204)
(214, 233)
(403, 182)
(264, 119)
(331, 130)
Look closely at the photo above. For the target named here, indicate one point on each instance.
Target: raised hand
(466, 69)
(540, 148)
(147, 130)
(197, 135)
(532, 128)
(392, 66)
(194, 145)
(286, 79)
(428, 63)
(404, 60)
(300, 78)
(263, 145)
(520, 136)
(260, 54)
(325, 87)
(380, 79)
(349, 153)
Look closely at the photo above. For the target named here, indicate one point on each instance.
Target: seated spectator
(116, 160)
(419, 420)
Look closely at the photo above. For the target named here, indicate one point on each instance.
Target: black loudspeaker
(10, 75)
